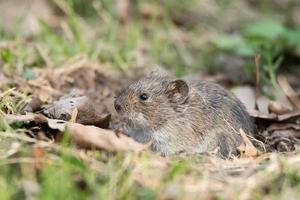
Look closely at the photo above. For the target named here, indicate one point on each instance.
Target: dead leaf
(289, 91)
(260, 115)
(92, 137)
(283, 126)
(37, 119)
(278, 108)
(57, 124)
(30, 117)
(246, 95)
(89, 137)
(42, 89)
(274, 117)
(288, 116)
(281, 140)
(262, 104)
(247, 149)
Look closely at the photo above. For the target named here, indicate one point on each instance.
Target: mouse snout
(118, 107)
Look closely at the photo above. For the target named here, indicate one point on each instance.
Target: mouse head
(151, 101)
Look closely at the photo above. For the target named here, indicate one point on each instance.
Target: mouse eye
(143, 96)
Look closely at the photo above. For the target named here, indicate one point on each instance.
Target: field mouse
(182, 116)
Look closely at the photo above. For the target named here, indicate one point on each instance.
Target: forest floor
(62, 63)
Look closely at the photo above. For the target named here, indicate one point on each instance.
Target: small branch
(257, 78)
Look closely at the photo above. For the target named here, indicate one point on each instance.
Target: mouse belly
(169, 141)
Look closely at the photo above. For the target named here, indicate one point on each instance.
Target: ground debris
(247, 149)
(276, 120)
(289, 91)
(88, 112)
(34, 105)
(92, 137)
(278, 132)
(279, 108)
(246, 95)
(11, 119)
(88, 137)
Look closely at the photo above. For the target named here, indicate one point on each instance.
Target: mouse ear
(177, 91)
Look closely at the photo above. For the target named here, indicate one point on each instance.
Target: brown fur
(195, 116)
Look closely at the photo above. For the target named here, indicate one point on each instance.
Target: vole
(182, 116)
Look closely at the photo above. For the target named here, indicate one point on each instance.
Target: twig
(74, 115)
(257, 78)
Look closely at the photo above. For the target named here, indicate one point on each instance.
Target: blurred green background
(186, 37)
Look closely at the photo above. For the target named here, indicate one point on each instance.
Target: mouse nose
(118, 107)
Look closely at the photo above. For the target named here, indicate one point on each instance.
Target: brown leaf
(281, 140)
(289, 116)
(260, 115)
(30, 117)
(84, 136)
(93, 137)
(42, 89)
(278, 108)
(262, 104)
(37, 119)
(57, 124)
(289, 91)
(246, 95)
(274, 117)
(247, 149)
(283, 126)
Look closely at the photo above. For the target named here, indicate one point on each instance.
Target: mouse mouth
(135, 121)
